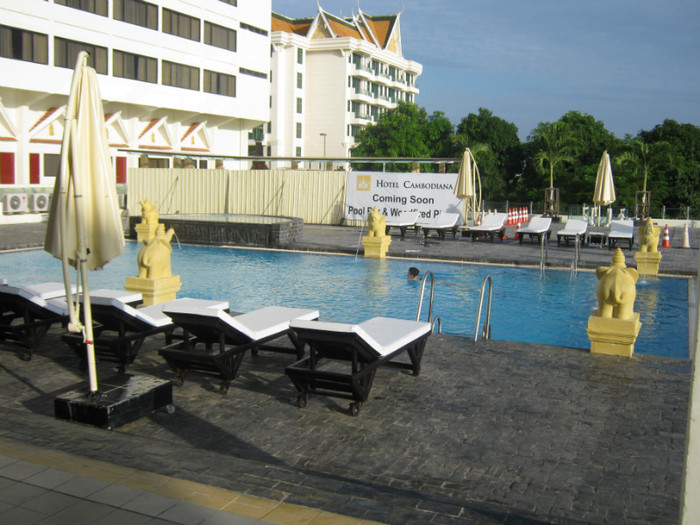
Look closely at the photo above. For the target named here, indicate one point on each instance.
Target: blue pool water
(551, 309)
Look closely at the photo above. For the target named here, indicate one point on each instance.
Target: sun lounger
(443, 223)
(538, 227)
(405, 220)
(492, 225)
(29, 311)
(574, 230)
(621, 230)
(362, 347)
(121, 329)
(220, 340)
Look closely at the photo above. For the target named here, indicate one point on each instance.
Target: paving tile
(18, 493)
(83, 512)
(186, 513)
(151, 504)
(50, 503)
(122, 517)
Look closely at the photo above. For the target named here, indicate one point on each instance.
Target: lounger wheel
(169, 409)
(223, 387)
(27, 355)
(355, 408)
(302, 399)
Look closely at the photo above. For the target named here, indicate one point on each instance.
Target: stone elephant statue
(616, 289)
(154, 257)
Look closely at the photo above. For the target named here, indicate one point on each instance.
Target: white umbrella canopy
(468, 179)
(604, 192)
(84, 228)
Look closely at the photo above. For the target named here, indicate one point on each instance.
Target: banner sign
(430, 194)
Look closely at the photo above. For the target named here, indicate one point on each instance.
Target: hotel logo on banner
(364, 182)
(429, 194)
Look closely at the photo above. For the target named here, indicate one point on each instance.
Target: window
(256, 133)
(298, 130)
(253, 29)
(24, 45)
(252, 73)
(181, 25)
(219, 36)
(299, 80)
(52, 163)
(298, 151)
(98, 7)
(135, 67)
(136, 12)
(219, 83)
(300, 56)
(65, 53)
(269, 127)
(298, 105)
(180, 75)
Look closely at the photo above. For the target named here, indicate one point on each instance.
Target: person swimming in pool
(413, 274)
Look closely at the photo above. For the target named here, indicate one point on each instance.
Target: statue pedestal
(648, 262)
(376, 246)
(612, 336)
(146, 232)
(154, 291)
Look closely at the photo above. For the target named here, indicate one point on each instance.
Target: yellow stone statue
(649, 237)
(154, 257)
(149, 212)
(617, 289)
(376, 242)
(376, 224)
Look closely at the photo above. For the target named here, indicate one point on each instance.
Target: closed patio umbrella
(84, 228)
(604, 192)
(468, 180)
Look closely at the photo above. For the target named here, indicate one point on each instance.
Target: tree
(500, 160)
(556, 146)
(405, 131)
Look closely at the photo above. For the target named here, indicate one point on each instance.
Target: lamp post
(324, 144)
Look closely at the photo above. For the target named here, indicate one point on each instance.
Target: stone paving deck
(489, 432)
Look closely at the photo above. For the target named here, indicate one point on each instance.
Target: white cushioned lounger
(29, 311)
(366, 346)
(537, 227)
(233, 334)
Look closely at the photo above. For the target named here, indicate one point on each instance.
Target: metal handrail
(486, 331)
(577, 256)
(544, 252)
(422, 292)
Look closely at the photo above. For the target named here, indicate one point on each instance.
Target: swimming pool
(551, 309)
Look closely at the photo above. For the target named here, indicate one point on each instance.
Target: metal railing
(486, 330)
(431, 320)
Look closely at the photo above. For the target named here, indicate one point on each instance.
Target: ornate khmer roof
(382, 30)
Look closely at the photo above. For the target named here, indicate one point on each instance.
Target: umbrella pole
(89, 338)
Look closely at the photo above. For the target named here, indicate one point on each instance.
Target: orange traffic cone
(509, 222)
(525, 213)
(686, 237)
(517, 232)
(478, 220)
(667, 239)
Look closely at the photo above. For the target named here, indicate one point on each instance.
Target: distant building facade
(330, 77)
(176, 76)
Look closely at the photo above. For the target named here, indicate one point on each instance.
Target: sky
(628, 63)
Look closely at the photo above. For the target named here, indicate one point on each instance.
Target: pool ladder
(544, 252)
(577, 256)
(431, 320)
(486, 330)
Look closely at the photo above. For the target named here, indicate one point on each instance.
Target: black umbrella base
(121, 399)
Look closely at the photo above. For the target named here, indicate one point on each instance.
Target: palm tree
(558, 146)
(644, 158)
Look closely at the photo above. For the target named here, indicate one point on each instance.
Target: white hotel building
(176, 76)
(332, 76)
(192, 81)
